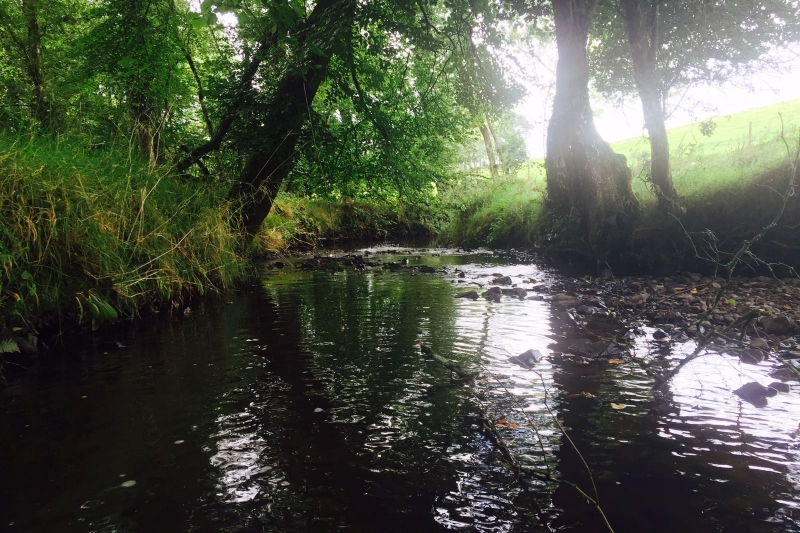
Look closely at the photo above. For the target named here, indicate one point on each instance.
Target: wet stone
(565, 301)
(472, 295)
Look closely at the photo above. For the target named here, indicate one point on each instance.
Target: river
(305, 405)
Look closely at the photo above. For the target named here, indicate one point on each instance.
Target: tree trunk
(641, 23)
(33, 60)
(501, 161)
(587, 183)
(327, 26)
(488, 142)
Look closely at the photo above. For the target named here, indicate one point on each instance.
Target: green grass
(94, 235)
(741, 148)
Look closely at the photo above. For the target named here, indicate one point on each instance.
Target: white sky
(699, 103)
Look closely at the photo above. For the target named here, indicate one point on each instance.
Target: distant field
(740, 147)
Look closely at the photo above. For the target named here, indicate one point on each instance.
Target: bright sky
(699, 103)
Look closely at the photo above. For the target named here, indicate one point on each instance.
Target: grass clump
(95, 234)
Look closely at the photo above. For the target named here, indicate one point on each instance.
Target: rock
(472, 295)
(783, 374)
(425, 269)
(536, 297)
(591, 349)
(660, 334)
(493, 295)
(504, 280)
(527, 359)
(586, 310)
(752, 356)
(755, 393)
(780, 387)
(516, 292)
(759, 344)
(565, 301)
(777, 325)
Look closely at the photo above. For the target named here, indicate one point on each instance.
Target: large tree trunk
(33, 60)
(641, 23)
(587, 183)
(324, 31)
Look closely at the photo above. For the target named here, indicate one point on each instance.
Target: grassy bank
(91, 235)
(727, 181)
(297, 222)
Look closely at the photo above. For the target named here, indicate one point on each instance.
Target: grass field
(740, 148)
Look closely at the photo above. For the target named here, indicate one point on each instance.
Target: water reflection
(306, 406)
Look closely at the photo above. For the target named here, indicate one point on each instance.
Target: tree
(654, 47)
(33, 57)
(134, 55)
(587, 183)
(317, 39)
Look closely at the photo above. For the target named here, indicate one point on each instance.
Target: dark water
(304, 405)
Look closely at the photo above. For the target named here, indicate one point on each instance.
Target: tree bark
(33, 61)
(641, 23)
(587, 183)
(326, 28)
(488, 142)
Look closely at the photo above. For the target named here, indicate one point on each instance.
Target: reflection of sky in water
(242, 455)
(698, 428)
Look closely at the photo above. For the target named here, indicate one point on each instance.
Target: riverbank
(90, 235)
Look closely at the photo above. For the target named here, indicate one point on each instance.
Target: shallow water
(305, 405)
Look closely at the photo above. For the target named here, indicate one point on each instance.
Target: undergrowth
(94, 235)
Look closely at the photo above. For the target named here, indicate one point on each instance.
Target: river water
(304, 404)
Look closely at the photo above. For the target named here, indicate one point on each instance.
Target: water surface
(304, 404)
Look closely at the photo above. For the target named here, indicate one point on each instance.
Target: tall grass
(93, 232)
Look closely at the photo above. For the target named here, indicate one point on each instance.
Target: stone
(504, 280)
(565, 301)
(780, 387)
(759, 343)
(527, 359)
(472, 295)
(755, 393)
(777, 325)
(752, 356)
(660, 334)
(493, 295)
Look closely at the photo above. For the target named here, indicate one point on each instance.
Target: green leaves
(99, 310)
